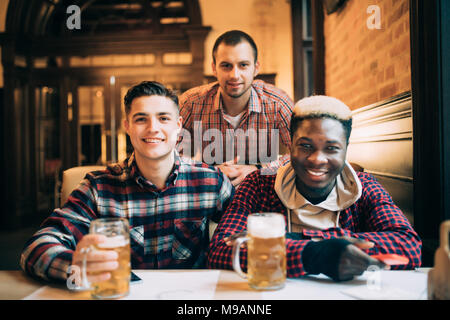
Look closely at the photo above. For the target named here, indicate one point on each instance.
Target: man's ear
(213, 67)
(257, 66)
(179, 124)
(126, 124)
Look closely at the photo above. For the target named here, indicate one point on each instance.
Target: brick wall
(364, 66)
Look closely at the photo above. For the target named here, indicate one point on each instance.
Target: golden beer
(266, 253)
(118, 284)
(266, 262)
(118, 239)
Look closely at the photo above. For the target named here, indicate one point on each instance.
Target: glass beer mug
(118, 239)
(266, 254)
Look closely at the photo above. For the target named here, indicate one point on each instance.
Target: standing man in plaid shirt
(336, 218)
(167, 200)
(237, 122)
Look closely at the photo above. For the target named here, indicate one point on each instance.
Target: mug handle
(86, 285)
(235, 256)
(81, 283)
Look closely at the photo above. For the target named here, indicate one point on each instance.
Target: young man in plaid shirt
(237, 122)
(167, 200)
(336, 218)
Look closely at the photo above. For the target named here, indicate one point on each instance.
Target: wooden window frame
(317, 47)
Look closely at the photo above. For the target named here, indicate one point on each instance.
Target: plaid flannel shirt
(168, 228)
(373, 217)
(268, 115)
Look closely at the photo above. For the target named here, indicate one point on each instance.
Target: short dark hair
(232, 38)
(296, 121)
(148, 88)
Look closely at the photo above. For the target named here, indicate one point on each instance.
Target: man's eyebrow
(165, 113)
(139, 114)
(226, 62)
(305, 138)
(310, 140)
(162, 113)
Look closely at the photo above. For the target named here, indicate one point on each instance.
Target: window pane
(92, 125)
(308, 75)
(113, 60)
(48, 146)
(181, 58)
(306, 20)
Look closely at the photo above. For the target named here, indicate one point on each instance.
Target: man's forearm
(403, 242)
(274, 165)
(45, 257)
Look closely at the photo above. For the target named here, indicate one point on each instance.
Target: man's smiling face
(318, 153)
(235, 68)
(153, 124)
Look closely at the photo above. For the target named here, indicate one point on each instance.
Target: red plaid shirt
(168, 227)
(373, 217)
(268, 116)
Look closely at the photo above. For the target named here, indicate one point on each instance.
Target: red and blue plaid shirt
(168, 228)
(373, 217)
(268, 116)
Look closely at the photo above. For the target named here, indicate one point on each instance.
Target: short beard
(236, 96)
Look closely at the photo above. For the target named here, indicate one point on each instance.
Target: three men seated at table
(169, 200)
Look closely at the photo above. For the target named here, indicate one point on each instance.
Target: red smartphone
(391, 259)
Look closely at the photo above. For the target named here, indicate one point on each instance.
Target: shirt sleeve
(283, 160)
(226, 193)
(284, 114)
(185, 144)
(48, 253)
(185, 110)
(251, 196)
(377, 219)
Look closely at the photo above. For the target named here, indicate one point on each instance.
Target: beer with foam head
(266, 255)
(266, 251)
(117, 232)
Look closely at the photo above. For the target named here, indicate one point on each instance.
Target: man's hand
(236, 172)
(229, 241)
(340, 259)
(354, 261)
(98, 262)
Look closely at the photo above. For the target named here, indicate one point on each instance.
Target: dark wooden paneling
(27, 36)
(430, 86)
(381, 142)
(318, 47)
(297, 46)
(85, 46)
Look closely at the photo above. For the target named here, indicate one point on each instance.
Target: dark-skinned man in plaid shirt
(336, 218)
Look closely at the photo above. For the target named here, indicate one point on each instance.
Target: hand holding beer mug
(266, 254)
(104, 255)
